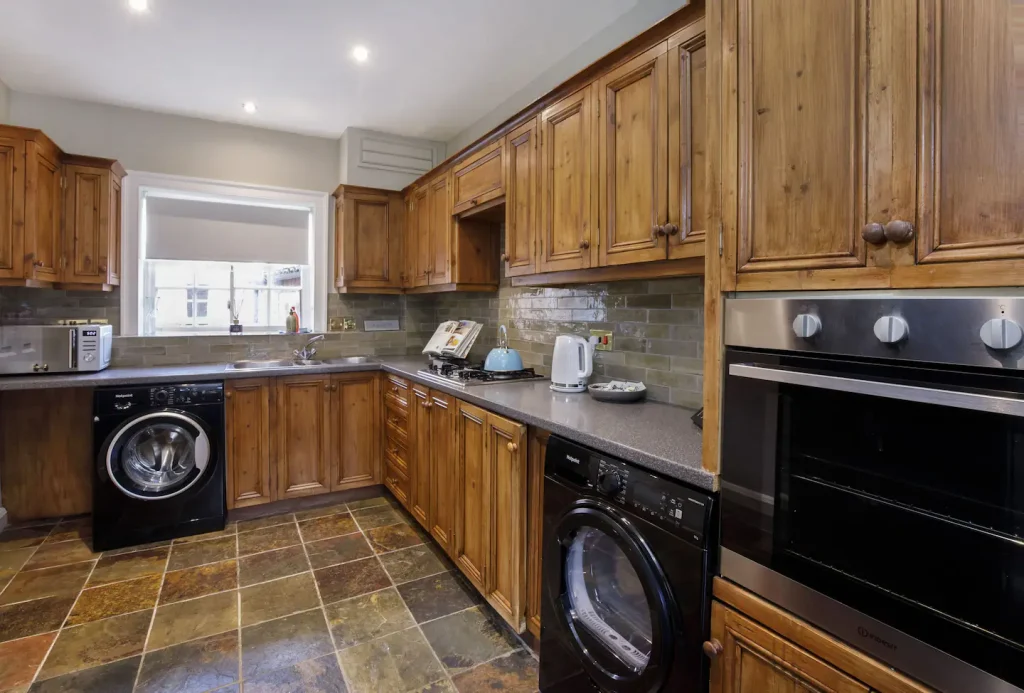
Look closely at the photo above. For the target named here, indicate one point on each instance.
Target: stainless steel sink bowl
(269, 364)
(349, 360)
(307, 362)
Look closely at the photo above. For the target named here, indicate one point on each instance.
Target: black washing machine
(626, 585)
(160, 463)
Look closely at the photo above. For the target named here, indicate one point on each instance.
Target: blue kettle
(502, 358)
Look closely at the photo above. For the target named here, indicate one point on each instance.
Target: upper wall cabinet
(522, 209)
(60, 215)
(871, 144)
(440, 231)
(368, 240)
(479, 179)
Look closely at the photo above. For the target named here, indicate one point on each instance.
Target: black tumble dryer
(159, 463)
(626, 586)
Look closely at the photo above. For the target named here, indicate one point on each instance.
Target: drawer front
(479, 179)
(397, 453)
(396, 391)
(396, 420)
(397, 481)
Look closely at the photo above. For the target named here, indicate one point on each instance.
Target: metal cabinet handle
(899, 231)
(873, 233)
(712, 648)
(512, 447)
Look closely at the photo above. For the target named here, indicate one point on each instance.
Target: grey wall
(5, 103)
(176, 145)
(643, 16)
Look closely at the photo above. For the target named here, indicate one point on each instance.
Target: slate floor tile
(92, 644)
(19, 659)
(322, 511)
(412, 563)
(283, 642)
(267, 539)
(271, 565)
(116, 677)
(129, 565)
(467, 638)
(114, 599)
(363, 618)
(351, 579)
(514, 673)
(396, 662)
(230, 529)
(196, 618)
(321, 675)
(136, 548)
(270, 600)
(49, 582)
(367, 503)
(393, 537)
(263, 522)
(31, 618)
(348, 547)
(22, 538)
(199, 581)
(52, 555)
(439, 595)
(80, 529)
(196, 553)
(191, 667)
(327, 527)
(377, 516)
(443, 686)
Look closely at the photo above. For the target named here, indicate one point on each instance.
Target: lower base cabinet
(247, 422)
(535, 526)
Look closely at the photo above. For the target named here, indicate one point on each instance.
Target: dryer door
(615, 600)
(157, 455)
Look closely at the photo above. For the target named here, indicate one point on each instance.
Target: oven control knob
(160, 396)
(1001, 333)
(806, 325)
(891, 329)
(609, 482)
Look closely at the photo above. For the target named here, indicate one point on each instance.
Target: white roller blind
(181, 229)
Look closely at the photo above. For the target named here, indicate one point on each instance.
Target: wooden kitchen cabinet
(92, 223)
(440, 231)
(12, 205)
(369, 230)
(568, 194)
(248, 428)
(303, 422)
(355, 430)
(522, 205)
(538, 448)
(419, 454)
(443, 466)
(505, 582)
(472, 493)
(421, 244)
(479, 179)
(44, 199)
(633, 160)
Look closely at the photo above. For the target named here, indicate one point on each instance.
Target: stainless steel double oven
(873, 475)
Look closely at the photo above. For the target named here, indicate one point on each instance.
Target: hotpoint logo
(865, 633)
(123, 395)
(574, 460)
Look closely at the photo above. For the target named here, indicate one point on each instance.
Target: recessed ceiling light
(360, 54)
(249, 107)
(138, 5)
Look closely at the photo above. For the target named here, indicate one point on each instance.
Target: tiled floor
(349, 597)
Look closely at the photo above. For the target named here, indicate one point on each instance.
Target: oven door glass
(897, 490)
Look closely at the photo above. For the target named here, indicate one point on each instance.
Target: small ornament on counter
(292, 323)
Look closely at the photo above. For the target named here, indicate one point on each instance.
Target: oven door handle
(994, 404)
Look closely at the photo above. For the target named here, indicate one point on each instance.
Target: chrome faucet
(306, 353)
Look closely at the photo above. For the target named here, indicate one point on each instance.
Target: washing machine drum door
(158, 455)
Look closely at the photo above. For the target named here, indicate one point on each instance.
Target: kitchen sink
(349, 360)
(267, 364)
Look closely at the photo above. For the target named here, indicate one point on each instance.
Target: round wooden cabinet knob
(873, 233)
(504, 257)
(228, 395)
(712, 648)
(584, 244)
(512, 447)
(670, 229)
(394, 388)
(899, 231)
(327, 388)
(657, 231)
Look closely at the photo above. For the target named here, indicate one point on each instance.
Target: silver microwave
(28, 349)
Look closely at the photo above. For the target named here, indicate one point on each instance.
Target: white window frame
(138, 183)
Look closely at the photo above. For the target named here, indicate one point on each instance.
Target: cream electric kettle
(571, 364)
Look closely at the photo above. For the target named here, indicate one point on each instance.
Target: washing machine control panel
(177, 395)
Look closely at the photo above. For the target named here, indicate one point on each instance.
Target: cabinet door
(535, 527)
(364, 242)
(420, 245)
(355, 430)
(633, 160)
(12, 207)
(473, 510)
(567, 182)
(247, 417)
(687, 142)
(112, 245)
(303, 421)
(440, 231)
(442, 469)
(522, 209)
(506, 564)
(811, 141)
(755, 660)
(479, 179)
(419, 455)
(43, 204)
(971, 185)
(86, 225)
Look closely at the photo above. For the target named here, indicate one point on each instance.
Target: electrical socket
(604, 340)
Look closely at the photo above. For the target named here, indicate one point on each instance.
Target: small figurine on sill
(292, 323)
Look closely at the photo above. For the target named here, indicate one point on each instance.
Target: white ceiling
(435, 67)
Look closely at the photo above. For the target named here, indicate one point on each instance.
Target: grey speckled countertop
(659, 437)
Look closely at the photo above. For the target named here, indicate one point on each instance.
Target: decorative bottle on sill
(292, 323)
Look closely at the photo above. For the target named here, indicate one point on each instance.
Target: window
(212, 253)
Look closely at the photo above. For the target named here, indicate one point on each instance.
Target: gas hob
(462, 375)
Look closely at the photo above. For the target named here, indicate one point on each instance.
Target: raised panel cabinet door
(535, 526)
(472, 494)
(366, 240)
(12, 207)
(247, 416)
(115, 228)
(506, 565)
(44, 202)
(303, 437)
(687, 142)
(522, 208)
(421, 245)
(814, 138)
(633, 160)
(440, 231)
(86, 225)
(442, 469)
(409, 243)
(971, 182)
(419, 455)
(479, 179)
(755, 660)
(355, 430)
(568, 197)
